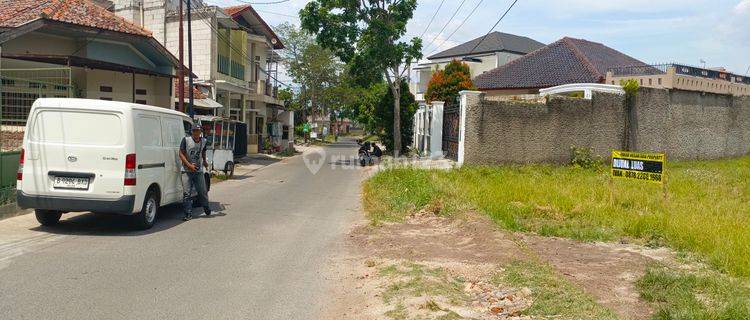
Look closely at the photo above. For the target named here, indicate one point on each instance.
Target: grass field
(706, 211)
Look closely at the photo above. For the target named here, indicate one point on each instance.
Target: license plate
(70, 183)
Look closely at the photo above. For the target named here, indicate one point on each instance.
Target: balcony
(238, 70)
(265, 91)
(224, 65)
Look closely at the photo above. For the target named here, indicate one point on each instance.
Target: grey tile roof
(495, 41)
(567, 60)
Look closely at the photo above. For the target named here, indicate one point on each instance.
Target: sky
(653, 31)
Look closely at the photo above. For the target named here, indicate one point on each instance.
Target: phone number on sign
(647, 176)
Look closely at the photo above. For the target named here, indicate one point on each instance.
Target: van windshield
(77, 127)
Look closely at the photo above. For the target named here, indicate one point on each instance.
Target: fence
(428, 129)
(684, 124)
(680, 69)
(19, 88)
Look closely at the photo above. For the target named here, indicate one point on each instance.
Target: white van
(100, 156)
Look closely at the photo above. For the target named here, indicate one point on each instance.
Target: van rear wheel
(146, 218)
(47, 217)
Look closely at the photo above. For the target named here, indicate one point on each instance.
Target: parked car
(101, 156)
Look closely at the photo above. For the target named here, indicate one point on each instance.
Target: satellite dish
(274, 41)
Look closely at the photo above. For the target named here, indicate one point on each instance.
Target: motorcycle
(365, 158)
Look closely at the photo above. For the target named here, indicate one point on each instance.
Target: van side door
(150, 161)
(173, 133)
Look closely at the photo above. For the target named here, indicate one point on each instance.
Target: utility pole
(191, 112)
(181, 69)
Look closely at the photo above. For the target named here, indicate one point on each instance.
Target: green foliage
(316, 69)
(553, 296)
(288, 152)
(375, 111)
(362, 32)
(585, 158)
(366, 35)
(630, 86)
(445, 85)
(681, 294)
(577, 94)
(299, 130)
(569, 202)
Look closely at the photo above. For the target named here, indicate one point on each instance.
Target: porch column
(228, 104)
(436, 130)
(243, 108)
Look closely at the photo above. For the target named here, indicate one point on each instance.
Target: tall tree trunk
(396, 88)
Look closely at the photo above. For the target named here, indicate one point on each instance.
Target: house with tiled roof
(233, 56)
(565, 61)
(76, 48)
(481, 54)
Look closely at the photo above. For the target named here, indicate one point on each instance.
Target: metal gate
(451, 128)
(19, 88)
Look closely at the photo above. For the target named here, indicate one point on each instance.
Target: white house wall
(40, 44)
(489, 62)
(204, 56)
(157, 88)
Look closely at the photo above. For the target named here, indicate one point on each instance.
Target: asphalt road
(262, 256)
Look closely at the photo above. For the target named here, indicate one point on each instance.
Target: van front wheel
(47, 217)
(146, 218)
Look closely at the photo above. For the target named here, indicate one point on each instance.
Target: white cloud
(742, 7)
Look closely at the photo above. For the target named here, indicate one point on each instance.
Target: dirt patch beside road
(427, 237)
(606, 271)
(433, 267)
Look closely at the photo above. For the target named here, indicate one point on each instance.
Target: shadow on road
(101, 224)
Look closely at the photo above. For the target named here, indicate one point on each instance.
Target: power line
(205, 19)
(459, 27)
(447, 23)
(272, 2)
(276, 13)
(432, 19)
(493, 27)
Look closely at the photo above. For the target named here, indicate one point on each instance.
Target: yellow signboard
(643, 166)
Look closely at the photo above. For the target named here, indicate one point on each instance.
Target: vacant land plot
(704, 217)
(706, 211)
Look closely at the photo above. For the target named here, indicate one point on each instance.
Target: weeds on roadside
(682, 294)
(552, 294)
(706, 212)
(585, 158)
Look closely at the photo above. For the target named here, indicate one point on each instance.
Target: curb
(12, 210)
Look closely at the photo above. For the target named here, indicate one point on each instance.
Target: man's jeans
(196, 182)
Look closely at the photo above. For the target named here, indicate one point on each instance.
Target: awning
(207, 103)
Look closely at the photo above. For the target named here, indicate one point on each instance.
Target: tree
(373, 109)
(366, 35)
(314, 68)
(446, 84)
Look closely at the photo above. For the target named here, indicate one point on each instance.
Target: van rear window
(73, 127)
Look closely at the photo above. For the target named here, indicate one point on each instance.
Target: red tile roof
(197, 93)
(14, 13)
(236, 11)
(565, 61)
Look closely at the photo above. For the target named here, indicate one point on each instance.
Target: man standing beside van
(193, 157)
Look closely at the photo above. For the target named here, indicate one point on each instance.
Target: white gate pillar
(466, 97)
(419, 130)
(436, 130)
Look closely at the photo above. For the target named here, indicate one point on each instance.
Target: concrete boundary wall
(685, 124)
